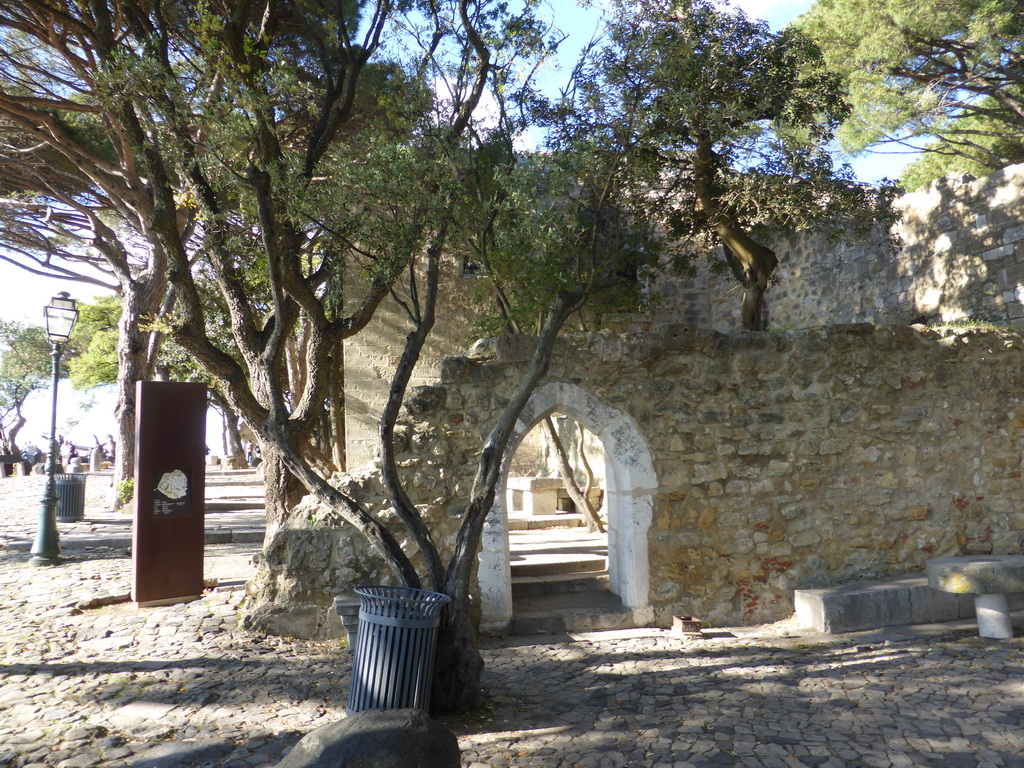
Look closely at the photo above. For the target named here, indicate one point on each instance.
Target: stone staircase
(235, 507)
(560, 577)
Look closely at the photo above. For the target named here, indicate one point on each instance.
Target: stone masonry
(960, 256)
(766, 462)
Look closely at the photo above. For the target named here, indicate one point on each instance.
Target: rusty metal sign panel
(170, 492)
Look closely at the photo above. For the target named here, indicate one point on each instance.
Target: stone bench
(867, 605)
(990, 578)
(17, 466)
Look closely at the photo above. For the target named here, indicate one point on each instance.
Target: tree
(938, 160)
(25, 367)
(738, 118)
(75, 200)
(944, 78)
(555, 234)
(292, 154)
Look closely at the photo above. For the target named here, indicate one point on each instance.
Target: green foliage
(940, 160)
(125, 492)
(561, 222)
(96, 336)
(25, 366)
(919, 70)
(727, 122)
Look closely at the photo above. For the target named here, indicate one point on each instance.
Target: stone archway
(631, 484)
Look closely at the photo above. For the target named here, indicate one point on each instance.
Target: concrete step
(558, 563)
(559, 584)
(577, 612)
(235, 505)
(238, 477)
(544, 522)
(550, 539)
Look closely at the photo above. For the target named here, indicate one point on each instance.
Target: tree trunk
(752, 314)
(459, 665)
(753, 263)
(565, 471)
(336, 407)
(457, 678)
(11, 438)
(136, 358)
(283, 491)
(232, 435)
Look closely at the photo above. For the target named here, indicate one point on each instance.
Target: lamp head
(61, 316)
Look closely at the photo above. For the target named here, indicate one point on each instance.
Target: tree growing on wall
(946, 78)
(739, 119)
(574, 250)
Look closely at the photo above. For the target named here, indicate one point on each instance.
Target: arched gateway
(631, 484)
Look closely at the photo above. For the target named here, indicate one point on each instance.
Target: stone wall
(961, 256)
(371, 357)
(741, 467)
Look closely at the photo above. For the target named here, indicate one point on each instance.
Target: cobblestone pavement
(85, 683)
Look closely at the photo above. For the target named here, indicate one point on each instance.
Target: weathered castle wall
(961, 257)
(371, 357)
(778, 461)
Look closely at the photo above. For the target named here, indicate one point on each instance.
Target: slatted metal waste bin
(394, 656)
(70, 496)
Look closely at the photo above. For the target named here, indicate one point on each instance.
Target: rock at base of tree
(377, 738)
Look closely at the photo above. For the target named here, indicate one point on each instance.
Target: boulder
(377, 738)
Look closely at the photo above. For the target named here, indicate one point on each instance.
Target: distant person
(31, 454)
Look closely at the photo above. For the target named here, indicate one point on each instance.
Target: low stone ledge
(871, 605)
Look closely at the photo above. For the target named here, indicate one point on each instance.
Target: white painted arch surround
(629, 498)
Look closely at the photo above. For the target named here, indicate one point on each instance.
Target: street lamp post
(61, 316)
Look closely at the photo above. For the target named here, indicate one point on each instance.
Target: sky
(23, 296)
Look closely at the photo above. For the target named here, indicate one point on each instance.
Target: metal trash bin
(394, 657)
(70, 496)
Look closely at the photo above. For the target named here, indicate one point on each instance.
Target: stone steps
(557, 614)
(560, 578)
(254, 504)
(559, 584)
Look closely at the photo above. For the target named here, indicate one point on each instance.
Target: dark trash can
(394, 655)
(70, 496)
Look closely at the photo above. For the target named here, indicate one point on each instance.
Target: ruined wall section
(962, 256)
(372, 355)
(811, 458)
(784, 461)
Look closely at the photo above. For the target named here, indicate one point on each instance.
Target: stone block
(978, 575)
(852, 608)
(870, 605)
